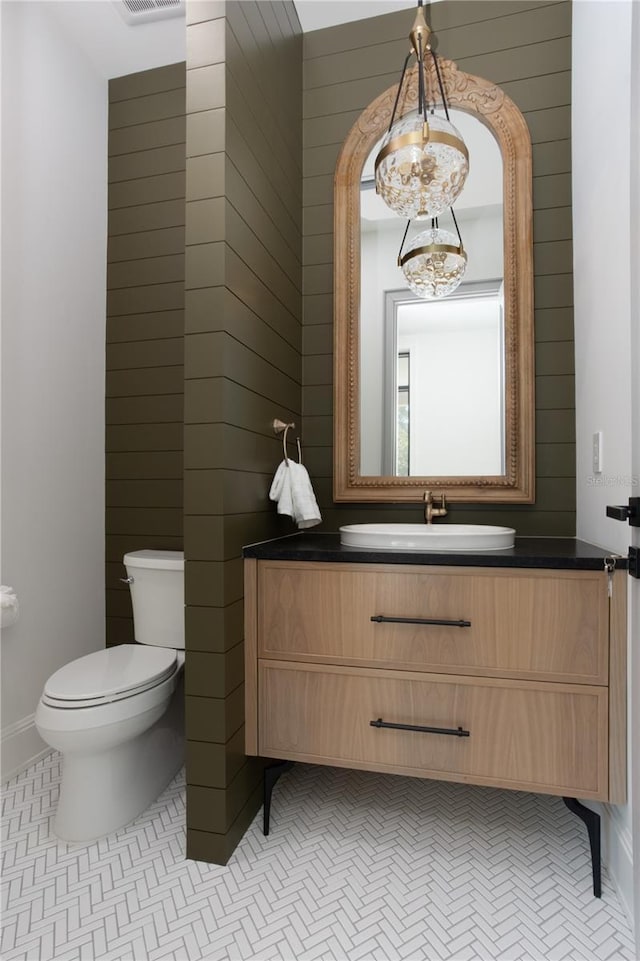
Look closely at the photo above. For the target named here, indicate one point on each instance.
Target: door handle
(626, 512)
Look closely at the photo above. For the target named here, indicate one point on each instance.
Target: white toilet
(117, 716)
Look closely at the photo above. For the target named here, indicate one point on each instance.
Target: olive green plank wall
(145, 325)
(243, 367)
(526, 48)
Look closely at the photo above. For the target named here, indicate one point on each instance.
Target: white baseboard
(22, 746)
(618, 855)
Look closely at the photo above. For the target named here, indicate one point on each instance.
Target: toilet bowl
(116, 715)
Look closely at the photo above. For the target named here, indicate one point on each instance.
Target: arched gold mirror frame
(500, 114)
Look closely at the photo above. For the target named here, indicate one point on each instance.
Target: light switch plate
(597, 452)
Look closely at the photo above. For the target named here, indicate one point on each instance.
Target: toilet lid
(106, 674)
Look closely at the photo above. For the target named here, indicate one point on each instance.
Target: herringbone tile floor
(357, 866)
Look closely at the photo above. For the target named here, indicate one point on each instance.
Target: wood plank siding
(243, 367)
(526, 48)
(145, 325)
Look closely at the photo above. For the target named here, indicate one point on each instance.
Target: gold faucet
(430, 511)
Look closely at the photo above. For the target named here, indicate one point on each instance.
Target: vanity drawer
(525, 735)
(546, 625)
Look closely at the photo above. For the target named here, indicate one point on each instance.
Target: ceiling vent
(145, 11)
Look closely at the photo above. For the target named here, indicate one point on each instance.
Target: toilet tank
(157, 595)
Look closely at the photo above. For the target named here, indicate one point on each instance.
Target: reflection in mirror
(448, 418)
(443, 411)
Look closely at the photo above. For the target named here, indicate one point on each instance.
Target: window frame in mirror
(499, 113)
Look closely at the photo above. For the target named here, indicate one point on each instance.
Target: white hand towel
(305, 506)
(281, 490)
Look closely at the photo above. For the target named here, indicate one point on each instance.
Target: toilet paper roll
(9, 606)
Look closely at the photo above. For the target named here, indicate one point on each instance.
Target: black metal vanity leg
(592, 820)
(271, 775)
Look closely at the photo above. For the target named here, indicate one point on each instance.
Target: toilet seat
(109, 675)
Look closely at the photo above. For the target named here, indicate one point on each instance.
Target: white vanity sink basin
(427, 537)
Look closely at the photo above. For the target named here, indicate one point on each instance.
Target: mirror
(451, 350)
(436, 393)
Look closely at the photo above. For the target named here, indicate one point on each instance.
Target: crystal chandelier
(435, 262)
(423, 163)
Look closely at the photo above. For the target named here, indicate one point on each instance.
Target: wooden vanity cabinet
(508, 677)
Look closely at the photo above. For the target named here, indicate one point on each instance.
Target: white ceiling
(116, 48)
(316, 14)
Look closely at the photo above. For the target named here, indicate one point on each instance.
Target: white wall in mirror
(455, 408)
(480, 217)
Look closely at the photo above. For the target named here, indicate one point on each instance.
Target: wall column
(242, 369)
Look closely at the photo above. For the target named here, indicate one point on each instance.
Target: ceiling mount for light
(423, 163)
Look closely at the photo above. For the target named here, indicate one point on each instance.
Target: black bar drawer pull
(454, 731)
(381, 619)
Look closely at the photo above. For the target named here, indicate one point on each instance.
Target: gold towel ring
(279, 426)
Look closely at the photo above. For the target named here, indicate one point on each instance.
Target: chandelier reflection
(435, 262)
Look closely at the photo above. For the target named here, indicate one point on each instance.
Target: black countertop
(554, 553)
